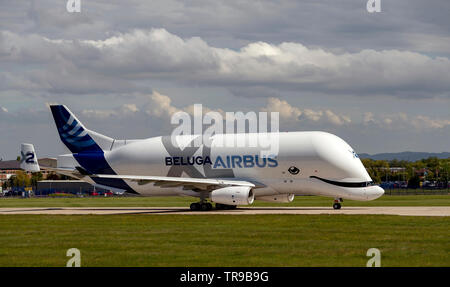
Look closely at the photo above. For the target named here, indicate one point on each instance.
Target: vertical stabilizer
(76, 137)
(28, 158)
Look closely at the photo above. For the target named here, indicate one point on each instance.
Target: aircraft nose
(379, 191)
(374, 192)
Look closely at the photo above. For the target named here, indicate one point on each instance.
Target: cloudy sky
(380, 81)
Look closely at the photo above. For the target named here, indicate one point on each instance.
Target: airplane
(307, 163)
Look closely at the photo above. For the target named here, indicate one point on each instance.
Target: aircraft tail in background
(28, 158)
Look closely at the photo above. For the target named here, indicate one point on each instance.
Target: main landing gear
(206, 206)
(337, 203)
(201, 206)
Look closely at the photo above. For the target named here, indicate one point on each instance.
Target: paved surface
(392, 210)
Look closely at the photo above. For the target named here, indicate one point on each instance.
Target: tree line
(431, 169)
(436, 170)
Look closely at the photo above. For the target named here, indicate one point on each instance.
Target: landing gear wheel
(337, 205)
(195, 206)
(206, 206)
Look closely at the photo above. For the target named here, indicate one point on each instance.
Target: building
(46, 187)
(9, 168)
(397, 169)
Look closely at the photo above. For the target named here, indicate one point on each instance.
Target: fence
(419, 191)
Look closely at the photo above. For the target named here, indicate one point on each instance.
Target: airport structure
(7, 169)
(74, 187)
(10, 168)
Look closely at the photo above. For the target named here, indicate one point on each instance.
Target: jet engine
(282, 198)
(233, 195)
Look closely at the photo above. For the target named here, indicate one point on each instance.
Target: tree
(414, 182)
(37, 176)
(21, 179)
(53, 176)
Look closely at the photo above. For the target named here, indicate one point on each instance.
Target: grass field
(223, 240)
(392, 200)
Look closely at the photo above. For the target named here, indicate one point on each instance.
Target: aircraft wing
(185, 182)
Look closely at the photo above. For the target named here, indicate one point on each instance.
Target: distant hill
(406, 155)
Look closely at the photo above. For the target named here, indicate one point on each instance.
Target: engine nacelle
(233, 195)
(282, 198)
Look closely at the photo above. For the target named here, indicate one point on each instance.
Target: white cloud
(421, 122)
(293, 114)
(387, 121)
(401, 121)
(130, 108)
(159, 54)
(124, 110)
(368, 118)
(156, 105)
(287, 112)
(335, 119)
(312, 115)
(3, 109)
(161, 105)
(94, 113)
(190, 110)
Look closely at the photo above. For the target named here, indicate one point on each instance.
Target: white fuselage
(307, 163)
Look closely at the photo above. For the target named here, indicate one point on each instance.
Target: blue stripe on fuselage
(95, 163)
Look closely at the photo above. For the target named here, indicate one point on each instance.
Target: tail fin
(75, 135)
(28, 158)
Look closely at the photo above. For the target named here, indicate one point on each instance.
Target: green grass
(224, 240)
(392, 200)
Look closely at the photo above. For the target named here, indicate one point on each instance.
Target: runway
(392, 210)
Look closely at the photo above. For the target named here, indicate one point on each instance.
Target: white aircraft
(308, 163)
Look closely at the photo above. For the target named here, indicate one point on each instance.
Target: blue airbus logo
(229, 161)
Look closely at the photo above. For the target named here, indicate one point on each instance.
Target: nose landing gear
(337, 203)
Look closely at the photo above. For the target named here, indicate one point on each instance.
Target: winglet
(28, 158)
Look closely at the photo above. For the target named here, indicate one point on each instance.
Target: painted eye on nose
(293, 170)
